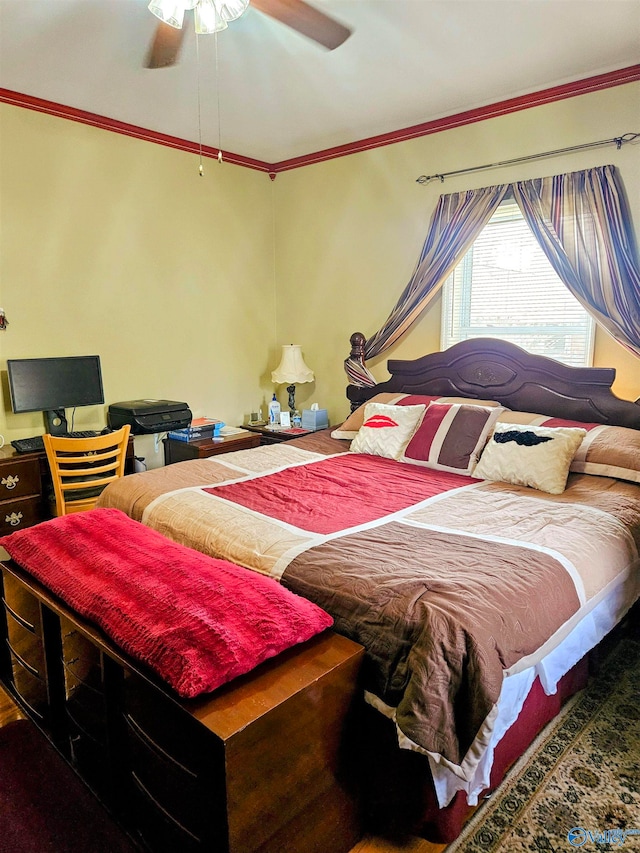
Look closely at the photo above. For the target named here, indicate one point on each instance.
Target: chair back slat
(82, 467)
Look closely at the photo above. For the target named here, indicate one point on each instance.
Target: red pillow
(451, 437)
(195, 620)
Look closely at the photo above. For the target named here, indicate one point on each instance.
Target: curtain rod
(618, 141)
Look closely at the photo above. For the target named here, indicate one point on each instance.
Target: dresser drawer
(81, 662)
(155, 720)
(91, 759)
(172, 761)
(158, 830)
(19, 513)
(19, 478)
(29, 684)
(173, 789)
(25, 645)
(21, 604)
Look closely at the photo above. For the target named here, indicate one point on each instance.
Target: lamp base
(292, 398)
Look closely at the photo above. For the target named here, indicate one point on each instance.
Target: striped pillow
(451, 437)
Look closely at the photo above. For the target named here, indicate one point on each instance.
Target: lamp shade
(292, 368)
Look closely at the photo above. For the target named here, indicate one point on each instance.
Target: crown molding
(501, 108)
(103, 123)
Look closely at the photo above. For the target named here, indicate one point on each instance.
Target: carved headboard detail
(485, 368)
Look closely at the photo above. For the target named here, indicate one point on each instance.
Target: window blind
(505, 287)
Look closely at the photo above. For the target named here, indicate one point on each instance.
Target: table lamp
(292, 370)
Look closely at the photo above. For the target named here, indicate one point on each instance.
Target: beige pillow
(610, 451)
(349, 429)
(606, 451)
(526, 455)
(386, 430)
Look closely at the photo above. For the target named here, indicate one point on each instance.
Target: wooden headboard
(490, 369)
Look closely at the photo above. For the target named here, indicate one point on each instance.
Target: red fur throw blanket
(195, 621)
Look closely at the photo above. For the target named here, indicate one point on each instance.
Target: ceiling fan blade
(305, 19)
(165, 46)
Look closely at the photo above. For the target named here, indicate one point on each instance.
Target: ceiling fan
(214, 15)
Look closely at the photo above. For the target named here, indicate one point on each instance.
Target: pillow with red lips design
(386, 430)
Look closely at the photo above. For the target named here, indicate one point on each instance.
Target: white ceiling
(282, 96)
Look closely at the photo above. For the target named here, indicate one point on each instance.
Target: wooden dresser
(21, 489)
(25, 484)
(258, 765)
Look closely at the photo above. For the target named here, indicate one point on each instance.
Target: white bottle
(274, 411)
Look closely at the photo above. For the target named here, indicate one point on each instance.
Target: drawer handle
(83, 731)
(14, 519)
(19, 619)
(30, 709)
(169, 817)
(144, 737)
(10, 482)
(23, 663)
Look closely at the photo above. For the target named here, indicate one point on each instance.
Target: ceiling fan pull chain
(200, 166)
(215, 36)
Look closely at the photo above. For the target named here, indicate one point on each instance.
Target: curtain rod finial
(426, 179)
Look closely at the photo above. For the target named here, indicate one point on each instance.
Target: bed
(476, 599)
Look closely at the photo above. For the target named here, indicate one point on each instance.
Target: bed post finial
(359, 376)
(357, 341)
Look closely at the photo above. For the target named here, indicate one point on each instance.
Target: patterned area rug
(578, 785)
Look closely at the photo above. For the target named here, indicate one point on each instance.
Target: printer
(147, 416)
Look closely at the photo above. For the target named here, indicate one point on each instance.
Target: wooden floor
(414, 845)
(9, 711)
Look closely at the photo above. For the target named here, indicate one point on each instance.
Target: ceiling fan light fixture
(211, 16)
(169, 11)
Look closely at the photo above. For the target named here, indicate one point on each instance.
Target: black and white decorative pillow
(534, 456)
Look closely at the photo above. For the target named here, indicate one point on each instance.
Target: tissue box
(315, 419)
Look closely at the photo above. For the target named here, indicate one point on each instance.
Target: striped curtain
(582, 223)
(580, 220)
(457, 221)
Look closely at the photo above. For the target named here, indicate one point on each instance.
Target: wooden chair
(82, 467)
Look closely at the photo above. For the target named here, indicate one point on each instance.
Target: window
(505, 287)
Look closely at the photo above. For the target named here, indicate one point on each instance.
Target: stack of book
(199, 428)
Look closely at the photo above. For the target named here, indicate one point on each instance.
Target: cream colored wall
(349, 231)
(115, 246)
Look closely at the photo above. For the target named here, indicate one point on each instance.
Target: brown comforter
(451, 584)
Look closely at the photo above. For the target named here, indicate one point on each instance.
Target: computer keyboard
(28, 445)
(36, 442)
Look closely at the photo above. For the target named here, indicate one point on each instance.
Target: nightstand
(180, 451)
(275, 436)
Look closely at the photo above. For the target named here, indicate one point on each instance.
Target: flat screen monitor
(51, 385)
